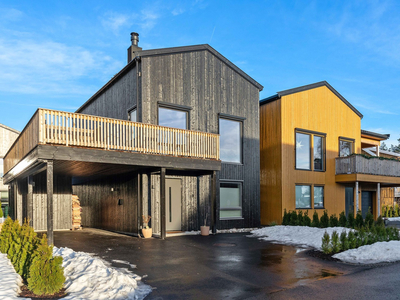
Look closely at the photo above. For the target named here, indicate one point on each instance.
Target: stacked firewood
(76, 213)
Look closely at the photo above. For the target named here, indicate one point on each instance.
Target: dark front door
(349, 199)
(366, 203)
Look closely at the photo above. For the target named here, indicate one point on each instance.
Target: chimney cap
(135, 38)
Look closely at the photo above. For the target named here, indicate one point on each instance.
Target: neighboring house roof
(309, 87)
(163, 51)
(9, 128)
(375, 135)
(372, 151)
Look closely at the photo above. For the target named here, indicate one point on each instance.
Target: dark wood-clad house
(174, 135)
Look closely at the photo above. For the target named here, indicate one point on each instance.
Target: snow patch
(10, 281)
(296, 235)
(394, 219)
(88, 277)
(124, 262)
(372, 254)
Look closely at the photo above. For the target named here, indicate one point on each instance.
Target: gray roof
(163, 51)
(309, 87)
(377, 135)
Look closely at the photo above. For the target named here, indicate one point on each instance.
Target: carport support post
(49, 173)
(30, 201)
(378, 199)
(213, 201)
(162, 203)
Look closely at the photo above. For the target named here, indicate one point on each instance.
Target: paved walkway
(224, 266)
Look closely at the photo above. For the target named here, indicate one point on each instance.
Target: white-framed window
(230, 140)
(230, 200)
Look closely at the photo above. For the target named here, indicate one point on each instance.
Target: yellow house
(309, 140)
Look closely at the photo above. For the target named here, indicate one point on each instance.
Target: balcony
(358, 168)
(70, 130)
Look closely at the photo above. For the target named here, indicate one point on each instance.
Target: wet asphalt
(232, 266)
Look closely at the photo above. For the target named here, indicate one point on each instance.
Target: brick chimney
(134, 48)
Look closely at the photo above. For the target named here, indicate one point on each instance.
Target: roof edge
(9, 128)
(380, 136)
(269, 99)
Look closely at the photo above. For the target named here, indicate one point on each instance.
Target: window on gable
(172, 118)
(346, 147)
(310, 147)
(230, 140)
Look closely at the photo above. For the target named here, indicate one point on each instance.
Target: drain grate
(224, 245)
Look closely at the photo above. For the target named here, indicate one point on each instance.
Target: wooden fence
(374, 166)
(70, 129)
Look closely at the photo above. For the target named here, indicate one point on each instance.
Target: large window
(303, 196)
(318, 197)
(310, 147)
(230, 195)
(346, 147)
(230, 140)
(172, 118)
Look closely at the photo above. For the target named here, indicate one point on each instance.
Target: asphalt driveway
(224, 266)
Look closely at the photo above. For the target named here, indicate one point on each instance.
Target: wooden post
(30, 201)
(357, 197)
(49, 173)
(213, 201)
(377, 151)
(162, 203)
(378, 199)
(139, 202)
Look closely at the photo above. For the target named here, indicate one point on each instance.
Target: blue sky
(56, 54)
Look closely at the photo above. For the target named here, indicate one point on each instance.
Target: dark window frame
(177, 107)
(323, 195)
(240, 184)
(130, 110)
(311, 195)
(345, 139)
(311, 135)
(240, 120)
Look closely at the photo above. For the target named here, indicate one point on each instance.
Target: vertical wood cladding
(116, 99)
(203, 82)
(112, 210)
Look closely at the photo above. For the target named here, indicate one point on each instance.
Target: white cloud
(148, 19)
(11, 14)
(40, 67)
(115, 21)
(178, 11)
(375, 108)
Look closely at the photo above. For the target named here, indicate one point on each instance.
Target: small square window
(230, 195)
(303, 196)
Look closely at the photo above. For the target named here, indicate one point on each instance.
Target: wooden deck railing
(374, 166)
(70, 129)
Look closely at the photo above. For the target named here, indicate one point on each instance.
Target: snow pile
(297, 235)
(236, 230)
(90, 278)
(10, 281)
(371, 254)
(394, 219)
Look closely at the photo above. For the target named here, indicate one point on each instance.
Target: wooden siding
(271, 162)
(100, 207)
(204, 83)
(115, 101)
(387, 196)
(362, 165)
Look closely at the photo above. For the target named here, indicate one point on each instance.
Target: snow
(371, 254)
(89, 277)
(296, 235)
(124, 262)
(312, 237)
(10, 281)
(393, 219)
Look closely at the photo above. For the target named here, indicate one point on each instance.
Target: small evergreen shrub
(396, 210)
(324, 221)
(342, 219)
(306, 219)
(46, 274)
(344, 241)
(29, 243)
(352, 240)
(293, 218)
(1, 212)
(300, 218)
(350, 220)
(335, 242)
(333, 221)
(326, 246)
(359, 220)
(379, 221)
(286, 218)
(369, 219)
(315, 220)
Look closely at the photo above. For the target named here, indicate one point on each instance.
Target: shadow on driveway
(230, 266)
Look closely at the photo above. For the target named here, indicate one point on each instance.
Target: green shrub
(6, 211)
(1, 212)
(344, 241)
(315, 220)
(396, 210)
(300, 218)
(306, 219)
(359, 220)
(379, 221)
(333, 221)
(335, 242)
(369, 219)
(342, 219)
(293, 218)
(352, 240)
(286, 218)
(273, 223)
(29, 243)
(324, 221)
(46, 274)
(350, 220)
(326, 246)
